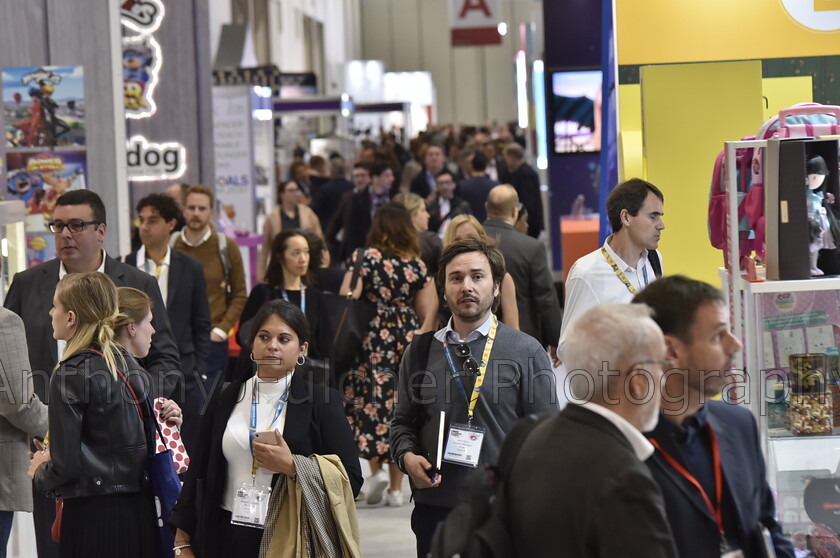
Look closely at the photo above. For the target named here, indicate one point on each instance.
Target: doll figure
(816, 172)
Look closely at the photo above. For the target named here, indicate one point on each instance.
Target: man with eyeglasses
(708, 458)
(480, 373)
(79, 225)
(446, 204)
(579, 485)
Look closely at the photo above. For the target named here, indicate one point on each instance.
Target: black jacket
(315, 424)
(97, 438)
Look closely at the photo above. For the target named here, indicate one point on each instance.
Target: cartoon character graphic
(140, 67)
(32, 128)
(54, 127)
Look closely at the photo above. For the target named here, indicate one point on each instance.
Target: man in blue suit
(708, 459)
(184, 293)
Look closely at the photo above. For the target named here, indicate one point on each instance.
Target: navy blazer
(187, 308)
(695, 529)
(30, 297)
(315, 424)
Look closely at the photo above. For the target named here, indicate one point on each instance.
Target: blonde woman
(96, 456)
(134, 331)
(467, 226)
(430, 245)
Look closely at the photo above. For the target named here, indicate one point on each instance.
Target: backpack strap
(357, 268)
(653, 258)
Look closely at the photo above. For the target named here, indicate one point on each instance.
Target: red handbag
(55, 531)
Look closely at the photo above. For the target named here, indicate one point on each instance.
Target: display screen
(576, 110)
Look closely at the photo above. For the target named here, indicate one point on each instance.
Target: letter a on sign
(475, 22)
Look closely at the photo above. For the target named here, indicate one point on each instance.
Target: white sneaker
(375, 486)
(394, 498)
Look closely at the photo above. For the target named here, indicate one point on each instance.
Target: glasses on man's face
(75, 225)
(470, 364)
(445, 182)
(292, 190)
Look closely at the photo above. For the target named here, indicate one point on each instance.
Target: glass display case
(12, 242)
(790, 332)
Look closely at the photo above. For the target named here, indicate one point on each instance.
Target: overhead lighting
(502, 29)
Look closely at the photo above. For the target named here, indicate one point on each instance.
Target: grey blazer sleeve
(18, 403)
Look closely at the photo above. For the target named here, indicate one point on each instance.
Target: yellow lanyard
(485, 360)
(617, 271)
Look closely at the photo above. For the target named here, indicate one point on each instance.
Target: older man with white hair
(590, 457)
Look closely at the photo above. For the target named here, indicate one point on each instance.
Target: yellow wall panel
(666, 31)
(684, 123)
(784, 92)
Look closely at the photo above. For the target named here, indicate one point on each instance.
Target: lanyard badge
(620, 274)
(250, 502)
(463, 445)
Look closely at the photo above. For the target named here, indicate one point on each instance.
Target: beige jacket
(315, 510)
(273, 226)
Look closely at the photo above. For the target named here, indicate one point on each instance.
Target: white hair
(608, 337)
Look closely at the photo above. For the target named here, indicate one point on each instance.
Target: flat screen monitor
(576, 110)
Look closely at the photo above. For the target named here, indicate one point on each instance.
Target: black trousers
(424, 521)
(43, 513)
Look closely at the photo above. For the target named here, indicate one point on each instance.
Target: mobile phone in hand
(266, 437)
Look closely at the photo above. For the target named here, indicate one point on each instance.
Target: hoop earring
(301, 360)
(252, 356)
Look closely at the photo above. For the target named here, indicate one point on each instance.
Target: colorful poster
(43, 106)
(38, 178)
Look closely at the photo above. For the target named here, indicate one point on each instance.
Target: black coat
(30, 297)
(695, 529)
(578, 489)
(526, 181)
(187, 308)
(315, 424)
(536, 298)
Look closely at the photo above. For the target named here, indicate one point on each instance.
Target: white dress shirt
(150, 267)
(592, 281)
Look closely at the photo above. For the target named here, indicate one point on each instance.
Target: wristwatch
(177, 549)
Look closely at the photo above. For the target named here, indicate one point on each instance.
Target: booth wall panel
(684, 126)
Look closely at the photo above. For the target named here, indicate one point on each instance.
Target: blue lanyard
(285, 296)
(644, 272)
(252, 429)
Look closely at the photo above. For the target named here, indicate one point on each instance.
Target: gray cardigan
(519, 381)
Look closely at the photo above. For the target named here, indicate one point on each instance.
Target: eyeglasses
(292, 190)
(445, 182)
(75, 225)
(470, 364)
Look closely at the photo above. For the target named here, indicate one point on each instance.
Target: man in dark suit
(539, 309)
(359, 212)
(526, 181)
(79, 225)
(446, 204)
(705, 444)
(334, 233)
(475, 188)
(434, 161)
(184, 290)
(326, 203)
(579, 486)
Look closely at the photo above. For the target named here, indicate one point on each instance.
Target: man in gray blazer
(539, 309)
(22, 416)
(79, 226)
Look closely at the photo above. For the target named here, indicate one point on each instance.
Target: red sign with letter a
(475, 22)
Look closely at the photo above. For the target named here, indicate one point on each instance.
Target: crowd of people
(462, 344)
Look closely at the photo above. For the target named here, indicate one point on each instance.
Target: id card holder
(250, 505)
(463, 445)
(727, 551)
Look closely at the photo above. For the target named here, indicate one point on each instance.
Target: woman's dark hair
(393, 231)
(287, 312)
(316, 252)
(274, 272)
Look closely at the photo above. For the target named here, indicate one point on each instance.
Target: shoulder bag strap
(653, 258)
(357, 268)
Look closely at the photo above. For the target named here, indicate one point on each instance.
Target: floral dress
(391, 283)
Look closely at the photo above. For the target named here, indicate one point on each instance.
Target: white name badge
(463, 446)
(732, 554)
(250, 505)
